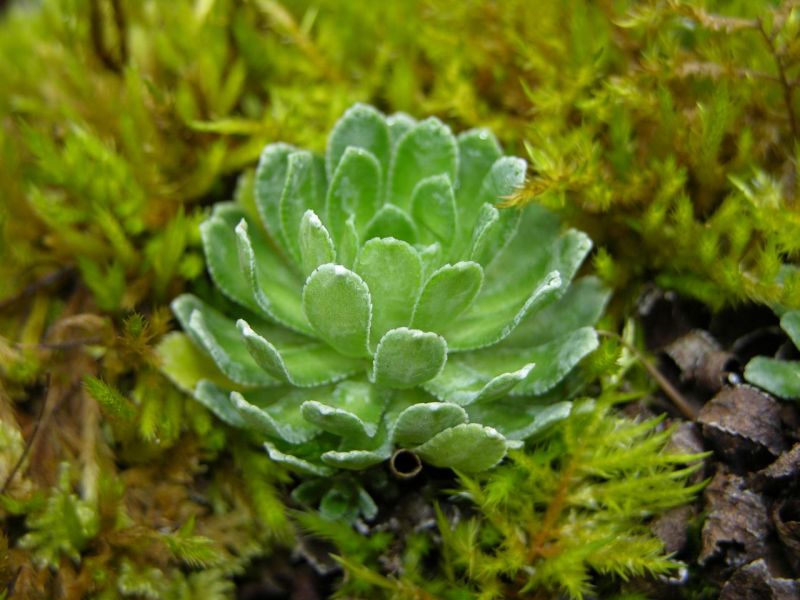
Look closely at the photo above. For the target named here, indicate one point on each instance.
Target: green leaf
(270, 182)
(218, 336)
(304, 364)
(553, 360)
(420, 422)
(477, 151)
(185, 364)
(779, 377)
(337, 303)
(296, 463)
(399, 124)
(316, 245)
(461, 384)
(429, 148)
(352, 411)
(581, 306)
(493, 231)
(393, 271)
(275, 289)
(217, 400)
(434, 209)
(356, 460)
(281, 420)
(790, 323)
(518, 420)
(468, 447)
(362, 127)
(493, 316)
(355, 192)
(392, 222)
(219, 245)
(304, 189)
(407, 357)
(448, 293)
(349, 244)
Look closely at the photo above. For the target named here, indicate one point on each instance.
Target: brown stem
(673, 394)
(785, 85)
(37, 285)
(27, 449)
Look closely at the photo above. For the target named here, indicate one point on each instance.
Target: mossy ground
(668, 130)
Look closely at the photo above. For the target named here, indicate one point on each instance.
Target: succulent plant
(382, 301)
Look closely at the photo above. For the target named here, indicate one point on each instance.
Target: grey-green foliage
(384, 300)
(780, 377)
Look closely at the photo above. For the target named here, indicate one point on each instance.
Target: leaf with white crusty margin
(316, 245)
(518, 420)
(217, 336)
(433, 206)
(406, 358)
(274, 288)
(420, 422)
(337, 303)
(352, 411)
(361, 126)
(492, 317)
(393, 222)
(296, 463)
(477, 151)
(779, 377)
(270, 181)
(469, 447)
(354, 192)
(448, 292)
(303, 191)
(429, 148)
(392, 271)
(281, 420)
(461, 384)
(304, 364)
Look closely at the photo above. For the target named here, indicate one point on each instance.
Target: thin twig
(65, 345)
(27, 449)
(673, 394)
(785, 85)
(37, 285)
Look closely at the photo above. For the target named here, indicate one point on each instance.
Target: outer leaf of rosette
(217, 400)
(278, 416)
(433, 206)
(218, 337)
(304, 189)
(358, 459)
(316, 245)
(361, 126)
(296, 463)
(269, 185)
(553, 360)
(393, 222)
(449, 291)
(186, 365)
(303, 364)
(392, 270)
(337, 304)
(220, 247)
(518, 418)
(353, 411)
(420, 422)
(581, 306)
(427, 149)
(468, 447)
(458, 383)
(407, 358)
(491, 318)
(355, 192)
(477, 152)
(274, 288)
(779, 377)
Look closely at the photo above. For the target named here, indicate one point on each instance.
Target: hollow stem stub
(405, 464)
